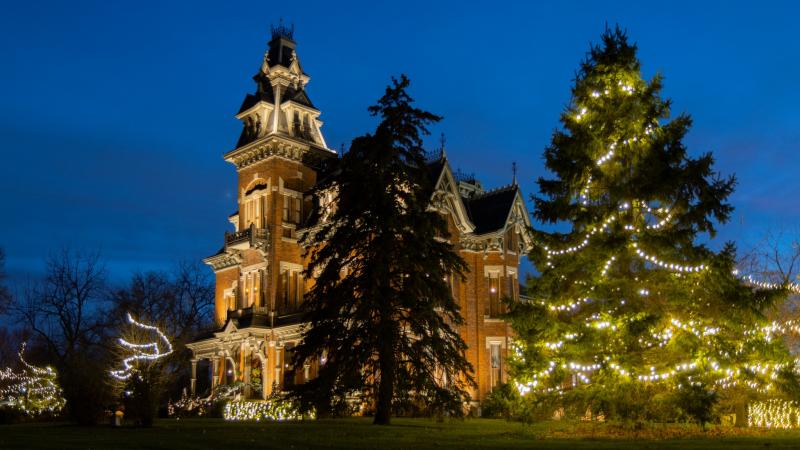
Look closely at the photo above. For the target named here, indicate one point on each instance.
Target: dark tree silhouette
(381, 313)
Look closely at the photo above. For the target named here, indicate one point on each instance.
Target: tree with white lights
(628, 308)
(142, 351)
(32, 390)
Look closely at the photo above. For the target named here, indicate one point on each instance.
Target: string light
(277, 410)
(774, 414)
(666, 265)
(141, 352)
(34, 390)
(634, 216)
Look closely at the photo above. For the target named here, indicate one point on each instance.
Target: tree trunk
(741, 414)
(383, 410)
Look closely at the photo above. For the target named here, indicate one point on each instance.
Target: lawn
(359, 433)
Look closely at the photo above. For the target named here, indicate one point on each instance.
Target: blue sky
(114, 116)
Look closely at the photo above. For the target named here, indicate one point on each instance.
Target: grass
(358, 433)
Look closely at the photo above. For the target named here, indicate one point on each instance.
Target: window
(284, 291)
(495, 360)
(292, 287)
(296, 124)
(229, 299)
(512, 284)
(286, 201)
(288, 368)
(296, 211)
(254, 207)
(492, 307)
(252, 284)
(511, 241)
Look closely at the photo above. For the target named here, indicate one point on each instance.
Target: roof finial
(514, 173)
(282, 30)
(442, 141)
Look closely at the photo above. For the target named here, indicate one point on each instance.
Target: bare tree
(10, 342)
(181, 303)
(65, 313)
(5, 294)
(183, 300)
(776, 259)
(65, 309)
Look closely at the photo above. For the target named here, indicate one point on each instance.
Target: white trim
(453, 200)
(253, 267)
(290, 267)
(492, 271)
(496, 340)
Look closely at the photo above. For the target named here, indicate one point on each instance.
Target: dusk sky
(114, 116)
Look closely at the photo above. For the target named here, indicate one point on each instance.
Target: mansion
(280, 156)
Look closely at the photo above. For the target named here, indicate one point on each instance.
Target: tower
(259, 281)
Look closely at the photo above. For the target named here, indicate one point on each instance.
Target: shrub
(697, 403)
(502, 402)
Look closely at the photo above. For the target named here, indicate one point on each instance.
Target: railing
(249, 235)
(251, 310)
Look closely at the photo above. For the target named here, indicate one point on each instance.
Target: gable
(446, 197)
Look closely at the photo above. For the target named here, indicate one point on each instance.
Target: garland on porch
(276, 407)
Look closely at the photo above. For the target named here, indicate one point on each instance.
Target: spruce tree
(382, 319)
(628, 307)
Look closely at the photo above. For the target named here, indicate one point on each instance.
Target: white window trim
(285, 266)
(492, 271)
(495, 340)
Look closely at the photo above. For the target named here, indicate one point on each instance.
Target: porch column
(246, 368)
(278, 366)
(214, 369)
(193, 385)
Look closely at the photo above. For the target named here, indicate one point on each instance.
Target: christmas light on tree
(33, 390)
(148, 352)
(628, 296)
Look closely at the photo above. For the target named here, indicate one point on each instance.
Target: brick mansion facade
(260, 285)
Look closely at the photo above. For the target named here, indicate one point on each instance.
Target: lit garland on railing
(774, 414)
(275, 409)
(141, 352)
(34, 390)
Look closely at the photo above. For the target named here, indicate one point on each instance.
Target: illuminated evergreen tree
(32, 390)
(382, 319)
(627, 306)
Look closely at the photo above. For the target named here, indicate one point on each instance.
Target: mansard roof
(489, 211)
(251, 100)
(268, 96)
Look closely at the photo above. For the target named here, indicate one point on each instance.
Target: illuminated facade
(259, 271)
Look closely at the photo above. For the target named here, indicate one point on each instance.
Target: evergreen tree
(381, 314)
(32, 390)
(628, 307)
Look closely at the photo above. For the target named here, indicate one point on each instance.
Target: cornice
(223, 261)
(273, 145)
